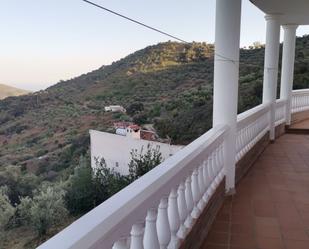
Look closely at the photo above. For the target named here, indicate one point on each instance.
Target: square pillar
(287, 73)
(226, 77)
(271, 67)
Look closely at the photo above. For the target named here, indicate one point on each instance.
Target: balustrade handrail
(252, 114)
(300, 100)
(114, 218)
(251, 126)
(280, 111)
(300, 91)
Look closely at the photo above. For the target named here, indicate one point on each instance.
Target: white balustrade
(280, 110)
(200, 177)
(121, 244)
(252, 125)
(300, 100)
(163, 226)
(189, 202)
(174, 219)
(158, 209)
(137, 236)
(151, 240)
(183, 211)
(196, 194)
(211, 170)
(207, 180)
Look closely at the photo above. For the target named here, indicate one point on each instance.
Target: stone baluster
(207, 181)
(221, 157)
(136, 237)
(150, 240)
(243, 141)
(201, 184)
(211, 174)
(238, 145)
(120, 244)
(189, 202)
(183, 211)
(163, 226)
(174, 220)
(196, 194)
(215, 167)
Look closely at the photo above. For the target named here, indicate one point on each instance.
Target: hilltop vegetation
(43, 135)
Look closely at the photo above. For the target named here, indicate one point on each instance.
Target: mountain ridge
(9, 91)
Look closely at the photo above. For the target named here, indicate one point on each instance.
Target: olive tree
(44, 210)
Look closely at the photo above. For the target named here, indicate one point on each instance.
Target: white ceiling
(291, 11)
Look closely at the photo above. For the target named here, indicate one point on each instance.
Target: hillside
(7, 91)
(43, 134)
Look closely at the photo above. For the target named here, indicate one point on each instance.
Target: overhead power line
(223, 58)
(132, 20)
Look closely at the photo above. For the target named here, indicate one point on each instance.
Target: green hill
(7, 91)
(44, 133)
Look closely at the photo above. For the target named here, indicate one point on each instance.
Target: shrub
(7, 211)
(135, 108)
(141, 162)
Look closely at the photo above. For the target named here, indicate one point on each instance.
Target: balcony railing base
(202, 225)
(231, 192)
(299, 116)
(244, 164)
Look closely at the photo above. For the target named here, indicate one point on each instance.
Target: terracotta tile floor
(270, 209)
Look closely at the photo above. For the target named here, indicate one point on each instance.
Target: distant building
(121, 131)
(133, 131)
(115, 108)
(129, 129)
(148, 135)
(116, 150)
(122, 124)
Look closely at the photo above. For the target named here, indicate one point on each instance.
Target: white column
(287, 73)
(226, 76)
(271, 66)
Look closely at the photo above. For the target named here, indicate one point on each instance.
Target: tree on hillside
(18, 184)
(80, 196)
(44, 210)
(135, 108)
(7, 211)
(108, 181)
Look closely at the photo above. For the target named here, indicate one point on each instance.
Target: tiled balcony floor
(271, 207)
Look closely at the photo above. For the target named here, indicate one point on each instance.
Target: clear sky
(44, 41)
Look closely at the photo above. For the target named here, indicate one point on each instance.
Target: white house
(115, 108)
(133, 131)
(116, 149)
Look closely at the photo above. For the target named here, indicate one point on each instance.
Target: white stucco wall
(116, 149)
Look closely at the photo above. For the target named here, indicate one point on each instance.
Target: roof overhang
(290, 11)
